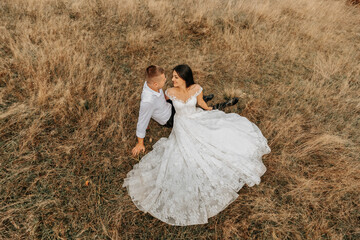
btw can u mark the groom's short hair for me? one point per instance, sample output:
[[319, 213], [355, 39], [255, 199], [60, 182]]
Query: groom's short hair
[[153, 71]]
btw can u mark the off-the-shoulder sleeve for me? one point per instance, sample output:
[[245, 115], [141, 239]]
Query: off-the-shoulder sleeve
[[167, 94], [198, 91]]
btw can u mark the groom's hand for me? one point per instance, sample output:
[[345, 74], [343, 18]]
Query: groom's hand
[[140, 147]]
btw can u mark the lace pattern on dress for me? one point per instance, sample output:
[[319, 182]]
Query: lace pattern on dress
[[177, 99]]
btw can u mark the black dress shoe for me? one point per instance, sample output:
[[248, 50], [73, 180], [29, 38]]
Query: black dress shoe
[[230, 102], [208, 97]]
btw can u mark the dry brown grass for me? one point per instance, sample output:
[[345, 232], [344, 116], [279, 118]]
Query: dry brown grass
[[71, 73]]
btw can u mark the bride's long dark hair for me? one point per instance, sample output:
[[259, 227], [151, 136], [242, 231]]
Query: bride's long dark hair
[[184, 71]]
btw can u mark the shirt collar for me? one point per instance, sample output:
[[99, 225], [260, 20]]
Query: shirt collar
[[147, 88]]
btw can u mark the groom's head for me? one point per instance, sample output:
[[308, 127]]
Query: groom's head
[[155, 76]]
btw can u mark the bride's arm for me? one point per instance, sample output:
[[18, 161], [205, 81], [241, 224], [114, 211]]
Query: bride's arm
[[202, 103]]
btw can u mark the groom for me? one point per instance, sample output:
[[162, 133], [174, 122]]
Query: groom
[[154, 105]]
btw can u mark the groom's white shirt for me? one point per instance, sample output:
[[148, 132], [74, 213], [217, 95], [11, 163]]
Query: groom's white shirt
[[152, 105]]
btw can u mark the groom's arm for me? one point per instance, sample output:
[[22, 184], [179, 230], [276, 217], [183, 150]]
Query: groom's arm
[[145, 113], [139, 147]]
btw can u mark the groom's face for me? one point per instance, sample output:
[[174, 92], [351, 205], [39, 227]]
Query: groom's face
[[160, 80]]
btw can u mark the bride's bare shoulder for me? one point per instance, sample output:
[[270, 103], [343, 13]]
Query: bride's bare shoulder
[[195, 87], [170, 91]]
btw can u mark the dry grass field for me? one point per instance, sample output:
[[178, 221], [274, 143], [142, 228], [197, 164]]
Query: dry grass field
[[71, 74]]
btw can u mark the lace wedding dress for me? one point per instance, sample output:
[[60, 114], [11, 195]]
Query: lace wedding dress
[[197, 171]]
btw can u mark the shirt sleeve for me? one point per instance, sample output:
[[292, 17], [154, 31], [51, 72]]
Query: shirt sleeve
[[145, 113]]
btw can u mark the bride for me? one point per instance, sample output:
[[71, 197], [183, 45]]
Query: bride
[[197, 171]]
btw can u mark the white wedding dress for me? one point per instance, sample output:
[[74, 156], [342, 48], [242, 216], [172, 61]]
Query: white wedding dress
[[197, 171]]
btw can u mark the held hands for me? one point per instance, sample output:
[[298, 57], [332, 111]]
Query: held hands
[[140, 147]]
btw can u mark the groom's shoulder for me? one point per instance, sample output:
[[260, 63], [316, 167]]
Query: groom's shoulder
[[147, 97]]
